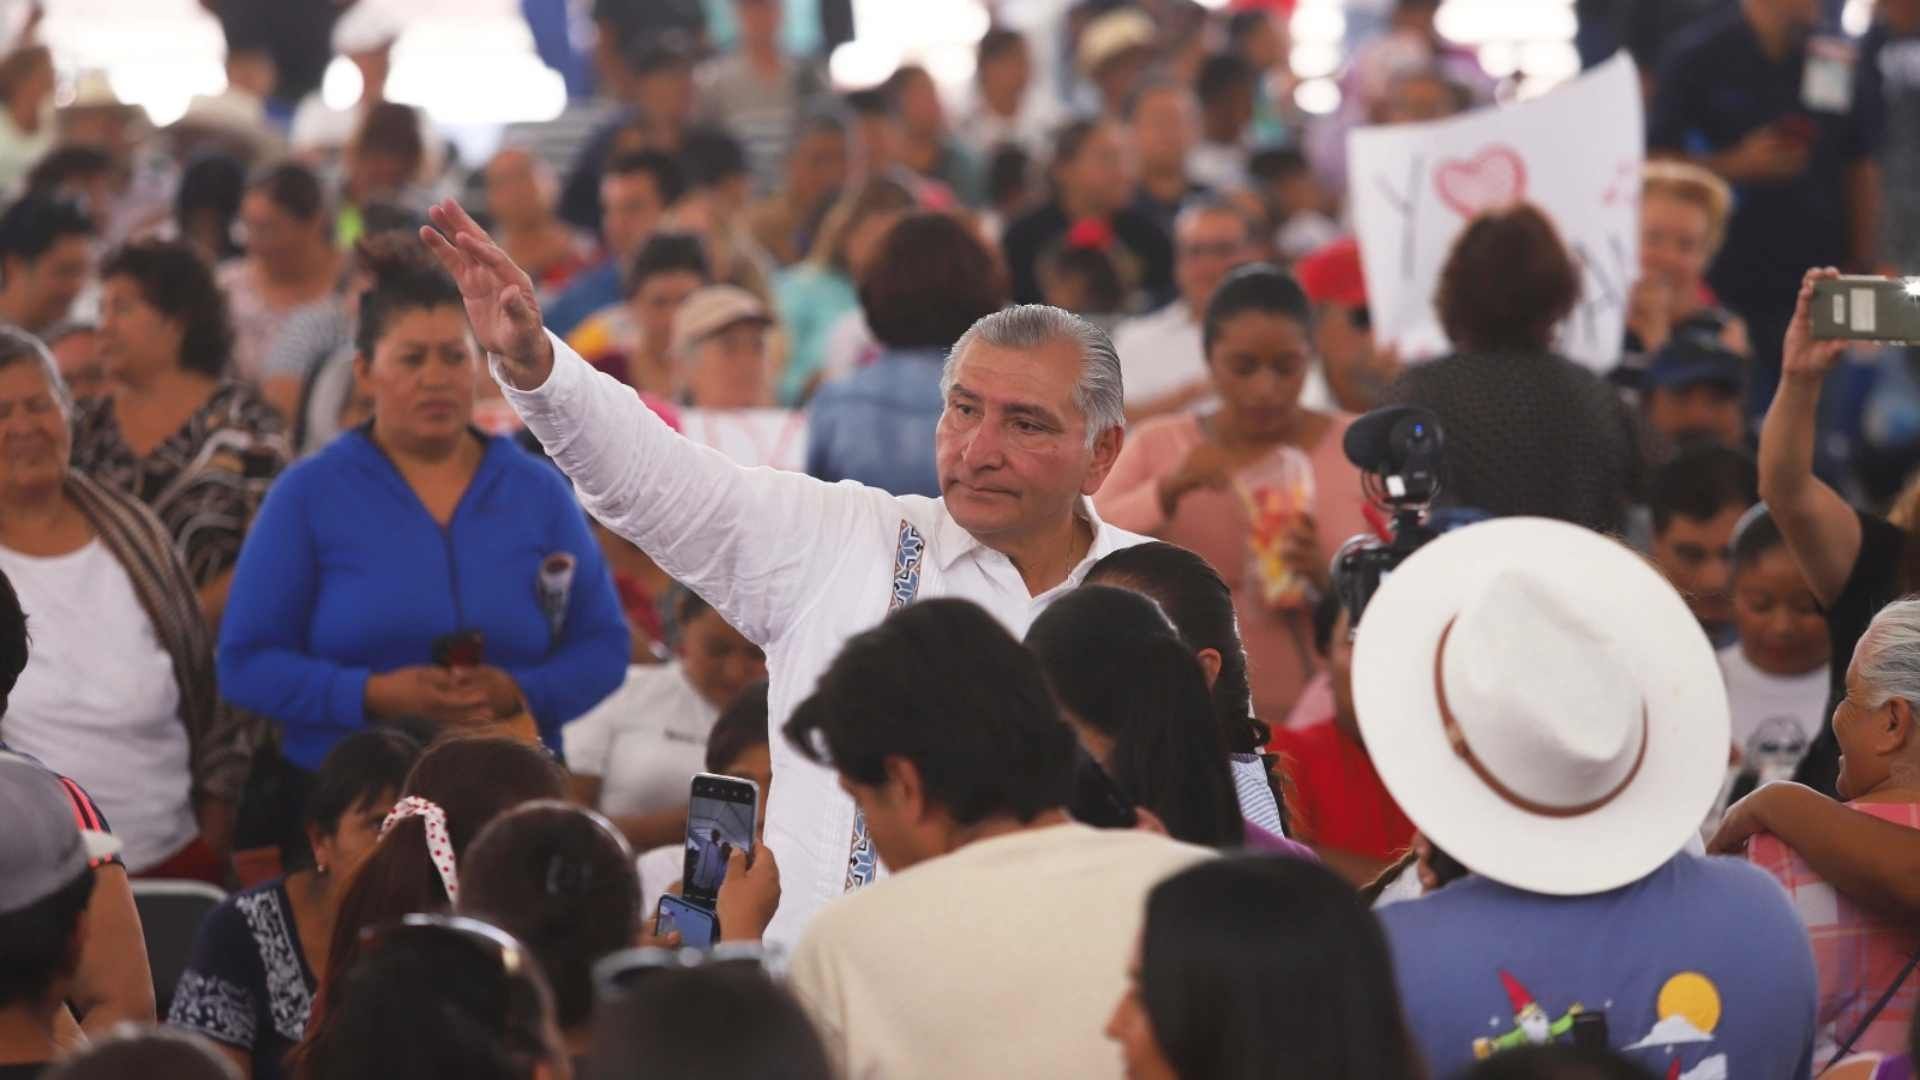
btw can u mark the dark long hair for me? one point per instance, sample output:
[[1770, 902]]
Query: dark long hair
[[1116, 663], [1265, 966], [562, 880], [1198, 600], [474, 780], [432, 1002], [720, 1020], [178, 285]]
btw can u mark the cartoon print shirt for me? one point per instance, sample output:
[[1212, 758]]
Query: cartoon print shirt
[[1699, 971]]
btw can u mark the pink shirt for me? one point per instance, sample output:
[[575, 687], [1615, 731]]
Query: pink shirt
[[1859, 954], [1213, 525]]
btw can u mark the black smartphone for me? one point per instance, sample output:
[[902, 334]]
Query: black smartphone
[[698, 927], [721, 814], [461, 649]]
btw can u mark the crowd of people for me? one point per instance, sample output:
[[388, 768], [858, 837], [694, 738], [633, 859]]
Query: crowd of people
[[969, 473]]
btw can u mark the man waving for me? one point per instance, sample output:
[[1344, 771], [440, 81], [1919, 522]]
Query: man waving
[[1033, 422]]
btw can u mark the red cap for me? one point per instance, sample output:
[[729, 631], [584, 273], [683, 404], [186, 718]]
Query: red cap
[[1332, 275]]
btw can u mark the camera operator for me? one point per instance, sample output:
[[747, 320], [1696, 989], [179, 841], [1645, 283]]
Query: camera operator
[[1528, 431]]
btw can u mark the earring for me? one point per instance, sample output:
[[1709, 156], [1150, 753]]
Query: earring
[[320, 869]]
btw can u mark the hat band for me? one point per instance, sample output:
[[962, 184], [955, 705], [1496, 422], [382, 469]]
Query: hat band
[[1457, 739]]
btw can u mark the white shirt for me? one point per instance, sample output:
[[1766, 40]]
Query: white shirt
[[659, 869], [98, 700], [1160, 352], [645, 741], [795, 564], [1004, 958], [776, 438], [982, 130], [1220, 166], [1164, 350], [1775, 717]]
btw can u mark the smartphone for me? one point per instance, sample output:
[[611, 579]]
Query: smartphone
[[1860, 308], [461, 649], [721, 814], [699, 928]]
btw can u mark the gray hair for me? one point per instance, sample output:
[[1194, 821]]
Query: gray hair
[[1098, 395], [1888, 656], [19, 347]]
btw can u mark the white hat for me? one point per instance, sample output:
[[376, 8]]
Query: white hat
[[1542, 705], [1113, 35]]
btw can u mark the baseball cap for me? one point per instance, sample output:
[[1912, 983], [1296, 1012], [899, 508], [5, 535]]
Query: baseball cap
[[42, 848], [1333, 275], [713, 309], [1690, 360]]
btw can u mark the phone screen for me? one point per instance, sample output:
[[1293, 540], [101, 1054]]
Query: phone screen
[[720, 820], [697, 926]]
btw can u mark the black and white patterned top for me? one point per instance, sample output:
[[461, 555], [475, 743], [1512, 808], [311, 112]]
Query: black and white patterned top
[[248, 985], [204, 481]]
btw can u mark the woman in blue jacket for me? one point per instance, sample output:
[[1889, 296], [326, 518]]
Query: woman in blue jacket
[[416, 571]]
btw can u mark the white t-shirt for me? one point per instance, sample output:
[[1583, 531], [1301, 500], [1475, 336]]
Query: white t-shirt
[[1164, 350], [1160, 352], [1775, 717], [659, 869], [1004, 958], [98, 700], [645, 741], [776, 438]]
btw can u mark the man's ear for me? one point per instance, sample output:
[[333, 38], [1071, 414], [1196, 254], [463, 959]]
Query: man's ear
[[906, 788], [1106, 451]]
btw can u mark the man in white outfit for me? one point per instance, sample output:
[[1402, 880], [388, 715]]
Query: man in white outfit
[[1034, 420]]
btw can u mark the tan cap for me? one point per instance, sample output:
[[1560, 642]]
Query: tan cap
[[712, 310], [1112, 34]]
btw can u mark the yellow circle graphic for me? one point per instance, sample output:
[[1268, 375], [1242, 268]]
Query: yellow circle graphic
[[1693, 996]]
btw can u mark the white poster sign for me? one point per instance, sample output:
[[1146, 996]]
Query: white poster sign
[[1575, 152]]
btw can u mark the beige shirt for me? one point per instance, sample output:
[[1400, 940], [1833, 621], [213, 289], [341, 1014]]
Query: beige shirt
[[1004, 958]]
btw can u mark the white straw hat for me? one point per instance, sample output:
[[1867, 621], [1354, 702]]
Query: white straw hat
[[1542, 705]]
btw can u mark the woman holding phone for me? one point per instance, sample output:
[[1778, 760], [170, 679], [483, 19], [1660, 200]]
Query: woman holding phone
[[415, 571]]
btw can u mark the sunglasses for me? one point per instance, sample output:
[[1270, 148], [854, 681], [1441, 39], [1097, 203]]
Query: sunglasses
[[619, 974]]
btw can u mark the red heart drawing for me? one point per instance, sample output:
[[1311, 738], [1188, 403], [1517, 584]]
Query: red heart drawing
[[1494, 177]]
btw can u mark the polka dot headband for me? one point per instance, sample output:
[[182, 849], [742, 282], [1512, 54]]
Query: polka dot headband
[[439, 842]]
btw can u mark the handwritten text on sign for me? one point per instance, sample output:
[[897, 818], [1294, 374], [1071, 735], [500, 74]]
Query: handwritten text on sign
[[1575, 152]]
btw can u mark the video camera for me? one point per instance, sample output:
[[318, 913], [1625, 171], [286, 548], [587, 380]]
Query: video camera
[[1398, 451]]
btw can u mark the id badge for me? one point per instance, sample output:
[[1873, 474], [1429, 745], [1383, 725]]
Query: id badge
[[1827, 84]]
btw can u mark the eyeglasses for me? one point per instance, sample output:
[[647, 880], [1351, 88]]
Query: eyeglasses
[[619, 974]]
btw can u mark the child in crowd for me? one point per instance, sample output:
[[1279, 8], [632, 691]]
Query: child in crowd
[[1777, 672]]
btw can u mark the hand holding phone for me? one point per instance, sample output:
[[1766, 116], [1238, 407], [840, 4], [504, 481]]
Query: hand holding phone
[[721, 814], [698, 928], [1862, 308]]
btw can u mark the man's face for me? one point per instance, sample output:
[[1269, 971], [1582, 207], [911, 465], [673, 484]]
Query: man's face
[[515, 193], [1011, 446], [1005, 77], [895, 818], [658, 300], [817, 167], [759, 19], [1697, 557], [1703, 409], [630, 209], [55, 280], [1800, 16], [1164, 125], [1207, 245]]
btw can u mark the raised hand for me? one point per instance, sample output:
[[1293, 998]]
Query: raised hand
[[1803, 359], [498, 294]]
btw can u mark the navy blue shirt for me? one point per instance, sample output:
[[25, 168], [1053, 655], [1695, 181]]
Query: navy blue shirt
[[1704, 958], [1715, 87], [345, 574], [876, 426]]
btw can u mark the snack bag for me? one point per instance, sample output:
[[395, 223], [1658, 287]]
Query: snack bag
[[1274, 491]]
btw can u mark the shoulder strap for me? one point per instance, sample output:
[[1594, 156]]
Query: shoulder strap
[[1873, 1013], [908, 551]]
